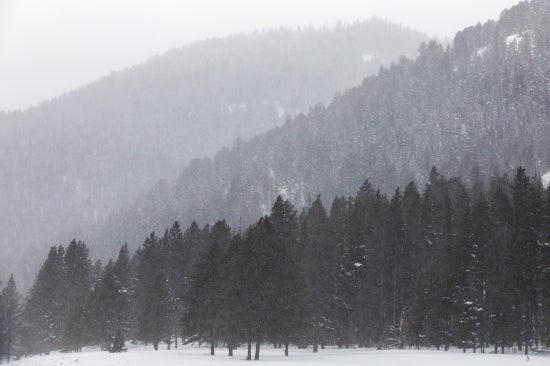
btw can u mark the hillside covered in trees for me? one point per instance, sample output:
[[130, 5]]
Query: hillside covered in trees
[[448, 266], [485, 99], [68, 162]]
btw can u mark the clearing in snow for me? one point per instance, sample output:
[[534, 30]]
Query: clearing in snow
[[142, 356]]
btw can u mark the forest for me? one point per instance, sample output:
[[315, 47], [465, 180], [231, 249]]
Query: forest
[[453, 265]]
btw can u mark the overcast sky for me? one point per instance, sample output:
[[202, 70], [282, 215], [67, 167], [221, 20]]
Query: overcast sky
[[48, 47]]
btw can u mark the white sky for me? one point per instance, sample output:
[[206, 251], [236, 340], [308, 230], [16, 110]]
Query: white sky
[[48, 47]]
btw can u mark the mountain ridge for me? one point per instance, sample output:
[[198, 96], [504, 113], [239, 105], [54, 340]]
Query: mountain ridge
[[470, 113], [68, 162]]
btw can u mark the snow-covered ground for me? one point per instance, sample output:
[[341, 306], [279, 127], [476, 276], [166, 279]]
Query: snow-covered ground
[[141, 356]]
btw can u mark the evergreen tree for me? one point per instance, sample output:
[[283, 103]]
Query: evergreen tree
[[412, 255], [76, 284], [320, 272], [75, 329], [149, 261], [341, 309], [44, 312], [249, 292], [154, 320], [118, 343], [205, 297], [10, 299], [107, 307], [2, 326], [499, 304], [286, 298], [177, 271], [524, 259]]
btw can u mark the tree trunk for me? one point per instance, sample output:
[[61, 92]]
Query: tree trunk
[[230, 351], [156, 345], [257, 354], [9, 340], [286, 349], [212, 347], [176, 339], [249, 356], [526, 348]]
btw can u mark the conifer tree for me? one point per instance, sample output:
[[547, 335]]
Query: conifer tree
[[118, 343], [320, 272], [44, 312], [205, 298], [154, 320], [287, 303], [10, 299], [524, 259], [2, 326], [75, 329]]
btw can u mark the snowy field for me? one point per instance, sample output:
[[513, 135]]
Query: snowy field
[[141, 356]]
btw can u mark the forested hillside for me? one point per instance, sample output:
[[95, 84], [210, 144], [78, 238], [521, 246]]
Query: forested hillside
[[485, 99], [446, 266], [68, 162]]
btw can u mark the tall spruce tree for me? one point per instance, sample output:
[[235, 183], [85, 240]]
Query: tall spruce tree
[[156, 313], [287, 313], [2, 326], [205, 298], [10, 299], [320, 271], [524, 259], [44, 312]]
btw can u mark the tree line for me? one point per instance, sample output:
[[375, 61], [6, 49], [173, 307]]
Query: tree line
[[454, 265]]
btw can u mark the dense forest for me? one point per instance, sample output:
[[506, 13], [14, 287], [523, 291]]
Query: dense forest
[[484, 99], [68, 162], [449, 266]]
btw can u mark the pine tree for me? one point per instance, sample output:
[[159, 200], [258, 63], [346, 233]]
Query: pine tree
[[118, 343], [75, 329], [524, 258], [499, 301], [341, 308], [177, 272], [320, 272], [2, 326], [248, 295], [149, 260], [398, 276], [154, 320], [11, 313], [468, 287], [107, 306], [205, 298], [44, 312], [287, 304], [545, 271], [77, 273]]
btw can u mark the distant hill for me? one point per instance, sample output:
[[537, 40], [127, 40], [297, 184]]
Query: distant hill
[[474, 108], [68, 162]]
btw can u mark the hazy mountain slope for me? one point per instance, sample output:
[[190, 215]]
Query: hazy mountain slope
[[69, 161], [484, 100]]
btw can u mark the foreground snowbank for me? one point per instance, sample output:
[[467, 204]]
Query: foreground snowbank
[[141, 356]]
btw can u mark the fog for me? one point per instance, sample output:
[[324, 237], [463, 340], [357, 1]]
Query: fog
[[51, 47]]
